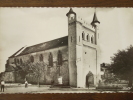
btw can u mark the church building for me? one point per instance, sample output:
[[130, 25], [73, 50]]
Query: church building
[[76, 57]]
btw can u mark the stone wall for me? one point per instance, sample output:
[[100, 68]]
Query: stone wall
[[86, 56], [51, 73], [89, 62]]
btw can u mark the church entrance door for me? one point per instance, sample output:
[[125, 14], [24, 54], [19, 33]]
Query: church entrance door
[[89, 79]]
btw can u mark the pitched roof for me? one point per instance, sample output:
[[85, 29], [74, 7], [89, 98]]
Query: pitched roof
[[44, 46]]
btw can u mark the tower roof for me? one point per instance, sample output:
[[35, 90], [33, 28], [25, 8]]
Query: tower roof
[[70, 12], [95, 20]]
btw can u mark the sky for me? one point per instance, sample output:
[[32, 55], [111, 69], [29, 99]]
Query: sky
[[29, 26]]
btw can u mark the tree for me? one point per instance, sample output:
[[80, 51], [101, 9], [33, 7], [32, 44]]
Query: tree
[[37, 69], [108, 76], [23, 69], [122, 64]]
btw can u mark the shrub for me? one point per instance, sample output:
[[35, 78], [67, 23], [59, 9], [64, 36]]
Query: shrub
[[108, 87]]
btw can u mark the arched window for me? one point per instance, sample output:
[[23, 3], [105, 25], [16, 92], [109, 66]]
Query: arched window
[[50, 59], [32, 59], [21, 62], [18, 61], [41, 57], [88, 38], [92, 39], [83, 36], [59, 58], [15, 60]]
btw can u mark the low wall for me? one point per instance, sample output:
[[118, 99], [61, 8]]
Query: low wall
[[9, 77]]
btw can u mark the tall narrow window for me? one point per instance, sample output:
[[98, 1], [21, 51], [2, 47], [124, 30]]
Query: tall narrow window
[[82, 36], [92, 39], [50, 59], [88, 38], [79, 38], [15, 61], [32, 59], [18, 61], [59, 58], [21, 62], [41, 57]]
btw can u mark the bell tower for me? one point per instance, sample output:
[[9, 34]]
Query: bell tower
[[72, 47], [83, 50]]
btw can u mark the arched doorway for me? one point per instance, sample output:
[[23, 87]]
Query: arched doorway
[[89, 79]]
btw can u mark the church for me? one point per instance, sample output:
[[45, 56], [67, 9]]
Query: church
[[75, 58]]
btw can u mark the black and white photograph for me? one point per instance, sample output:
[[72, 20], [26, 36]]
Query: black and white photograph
[[66, 50]]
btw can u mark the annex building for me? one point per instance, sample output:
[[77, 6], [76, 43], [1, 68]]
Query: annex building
[[74, 57]]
